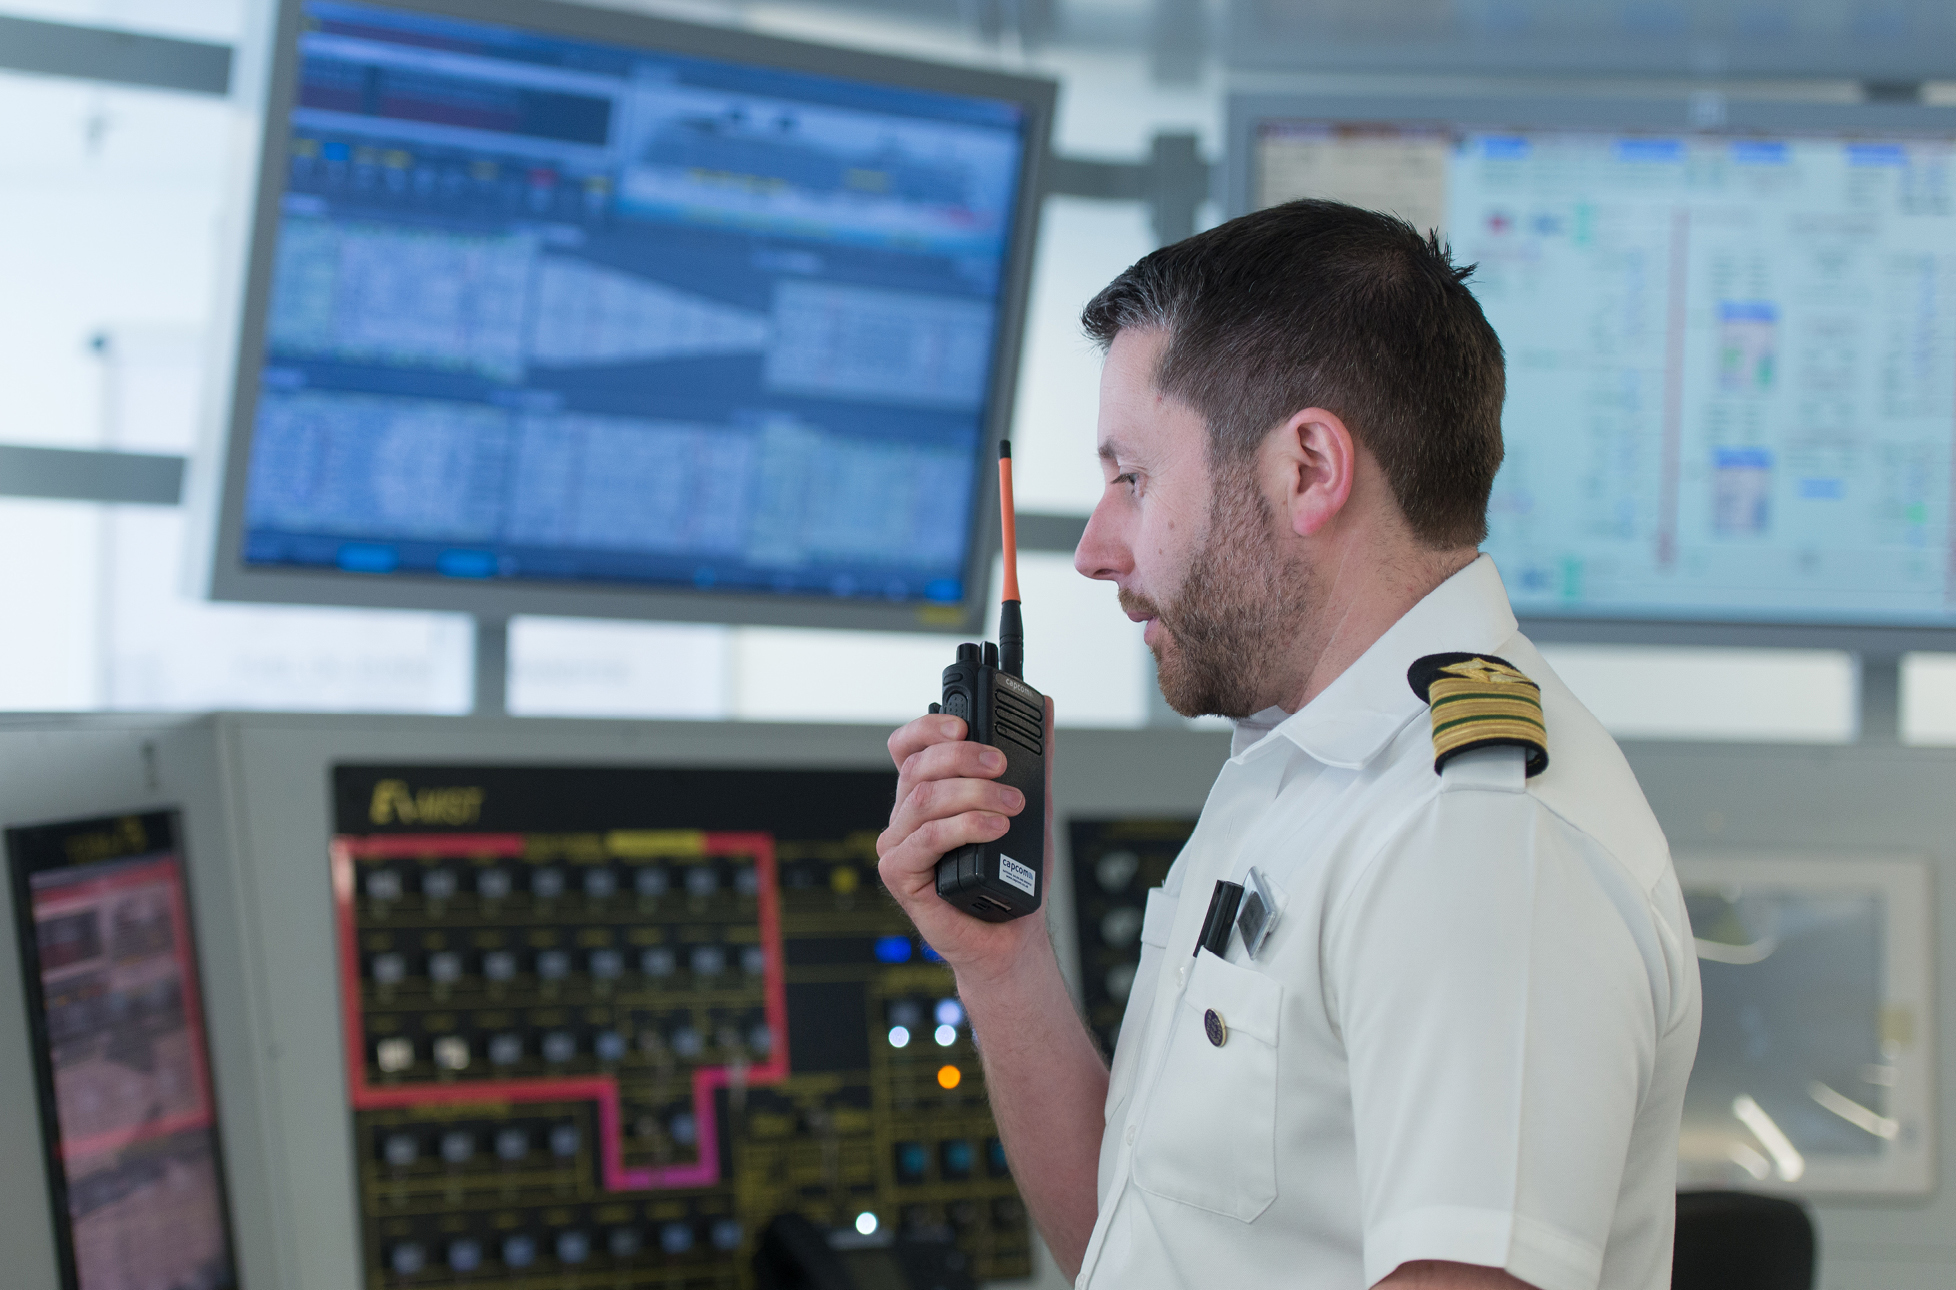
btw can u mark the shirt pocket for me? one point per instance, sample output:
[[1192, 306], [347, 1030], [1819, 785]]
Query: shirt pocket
[[1208, 1136], [1160, 917]]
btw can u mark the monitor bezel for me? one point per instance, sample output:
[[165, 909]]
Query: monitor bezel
[[1253, 43], [220, 569], [21, 867], [1688, 114]]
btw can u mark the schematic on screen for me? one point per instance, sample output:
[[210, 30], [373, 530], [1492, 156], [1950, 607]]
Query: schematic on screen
[[127, 1108], [1731, 356], [571, 311], [603, 1024]]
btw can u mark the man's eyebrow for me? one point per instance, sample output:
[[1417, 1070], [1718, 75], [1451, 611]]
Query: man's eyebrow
[[1111, 449]]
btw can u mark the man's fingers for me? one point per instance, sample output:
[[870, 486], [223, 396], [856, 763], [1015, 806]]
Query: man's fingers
[[915, 854], [960, 759], [920, 734], [939, 799]]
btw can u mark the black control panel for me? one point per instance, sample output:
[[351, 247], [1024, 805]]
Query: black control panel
[[603, 1025], [1115, 862]]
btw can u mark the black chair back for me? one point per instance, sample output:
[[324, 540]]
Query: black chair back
[[1734, 1240]]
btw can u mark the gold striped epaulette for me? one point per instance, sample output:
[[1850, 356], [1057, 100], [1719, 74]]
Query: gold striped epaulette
[[1480, 701]]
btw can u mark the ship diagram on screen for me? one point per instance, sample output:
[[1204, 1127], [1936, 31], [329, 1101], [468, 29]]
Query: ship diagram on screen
[[1731, 358], [601, 1026], [562, 310]]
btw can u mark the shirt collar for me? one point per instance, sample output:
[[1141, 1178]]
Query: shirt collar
[[1352, 720]]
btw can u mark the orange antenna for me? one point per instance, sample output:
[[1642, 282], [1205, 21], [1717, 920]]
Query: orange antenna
[[1011, 627], [1008, 523]]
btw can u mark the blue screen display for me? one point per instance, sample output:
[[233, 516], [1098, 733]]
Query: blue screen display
[[551, 309]]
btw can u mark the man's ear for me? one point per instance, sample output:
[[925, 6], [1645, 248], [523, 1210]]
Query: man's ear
[[1314, 459]]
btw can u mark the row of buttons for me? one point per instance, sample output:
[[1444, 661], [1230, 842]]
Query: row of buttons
[[1006, 1212], [571, 1247], [447, 967], [549, 883], [398, 1054], [956, 1158], [511, 1143]]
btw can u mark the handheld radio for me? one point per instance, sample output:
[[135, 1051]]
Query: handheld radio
[[1003, 879]]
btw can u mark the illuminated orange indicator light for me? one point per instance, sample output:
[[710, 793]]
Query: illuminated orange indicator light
[[949, 1077]]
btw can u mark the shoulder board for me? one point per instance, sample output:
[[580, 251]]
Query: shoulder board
[[1480, 701]]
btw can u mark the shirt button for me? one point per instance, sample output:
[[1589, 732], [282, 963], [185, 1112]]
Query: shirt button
[[1130, 1135]]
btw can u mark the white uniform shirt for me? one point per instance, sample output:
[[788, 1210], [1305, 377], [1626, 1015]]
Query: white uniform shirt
[[1467, 1037]]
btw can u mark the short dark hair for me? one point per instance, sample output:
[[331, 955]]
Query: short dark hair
[[1319, 304]]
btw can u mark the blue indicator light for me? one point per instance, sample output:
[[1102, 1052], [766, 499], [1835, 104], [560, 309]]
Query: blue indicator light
[[367, 557], [1876, 154], [1649, 150], [466, 564], [1752, 152], [893, 949], [946, 591], [930, 955]]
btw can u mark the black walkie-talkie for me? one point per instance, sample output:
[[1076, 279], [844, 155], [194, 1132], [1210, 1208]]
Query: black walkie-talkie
[[1004, 879]]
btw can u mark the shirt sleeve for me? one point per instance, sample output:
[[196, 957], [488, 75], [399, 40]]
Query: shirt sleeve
[[1501, 1030]]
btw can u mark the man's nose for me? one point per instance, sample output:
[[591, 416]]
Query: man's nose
[[1103, 551]]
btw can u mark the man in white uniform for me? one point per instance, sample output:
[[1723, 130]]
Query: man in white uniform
[[1458, 1059]]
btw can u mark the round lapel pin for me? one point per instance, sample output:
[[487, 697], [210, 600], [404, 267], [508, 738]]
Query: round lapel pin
[[1213, 1026]]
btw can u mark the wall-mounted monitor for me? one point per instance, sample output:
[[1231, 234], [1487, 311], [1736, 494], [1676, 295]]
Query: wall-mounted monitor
[[135, 1173], [1894, 41], [555, 309], [1731, 345], [1816, 1058]]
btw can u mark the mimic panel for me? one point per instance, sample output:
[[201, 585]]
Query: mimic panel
[[594, 1035], [1115, 863]]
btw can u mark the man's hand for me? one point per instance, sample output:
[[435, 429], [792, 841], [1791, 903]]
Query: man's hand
[[945, 799]]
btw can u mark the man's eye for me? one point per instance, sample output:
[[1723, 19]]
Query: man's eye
[[1127, 481]]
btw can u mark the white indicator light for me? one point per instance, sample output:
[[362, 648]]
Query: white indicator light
[[899, 1036], [950, 1012], [866, 1223], [946, 1036]]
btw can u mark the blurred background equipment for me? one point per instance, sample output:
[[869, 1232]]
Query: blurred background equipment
[[1731, 356], [1812, 1073]]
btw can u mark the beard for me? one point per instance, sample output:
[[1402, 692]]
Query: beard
[[1225, 631]]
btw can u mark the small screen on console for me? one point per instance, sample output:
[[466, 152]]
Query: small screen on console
[[103, 913]]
